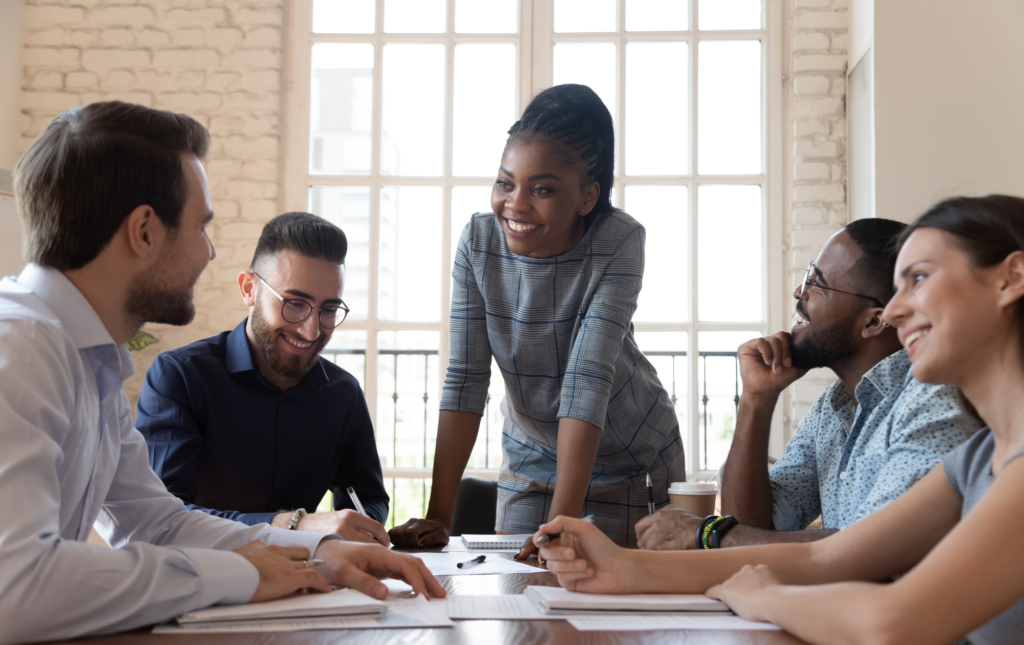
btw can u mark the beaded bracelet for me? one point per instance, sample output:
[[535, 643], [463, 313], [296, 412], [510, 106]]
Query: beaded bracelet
[[700, 530], [707, 532], [719, 531]]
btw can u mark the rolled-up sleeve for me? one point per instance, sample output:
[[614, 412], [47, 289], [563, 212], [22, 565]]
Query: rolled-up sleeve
[[796, 496], [469, 357]]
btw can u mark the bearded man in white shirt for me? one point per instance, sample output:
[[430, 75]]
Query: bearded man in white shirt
[[114, 207]]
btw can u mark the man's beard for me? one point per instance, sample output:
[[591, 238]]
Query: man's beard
[[153, 299], [279, 361], [825, 348]]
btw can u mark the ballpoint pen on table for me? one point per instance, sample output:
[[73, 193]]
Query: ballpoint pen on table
[[550, 537], [650, 495], [469, 563]]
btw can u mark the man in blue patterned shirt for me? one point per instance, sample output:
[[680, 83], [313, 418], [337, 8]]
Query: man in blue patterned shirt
[[870, 435]]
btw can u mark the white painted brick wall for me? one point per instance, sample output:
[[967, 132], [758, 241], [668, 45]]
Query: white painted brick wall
[[219, 62], [818, 38]]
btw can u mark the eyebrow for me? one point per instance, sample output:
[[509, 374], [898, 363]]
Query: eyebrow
[[543, 175], [821, 276], [303, 294], [907, 268]]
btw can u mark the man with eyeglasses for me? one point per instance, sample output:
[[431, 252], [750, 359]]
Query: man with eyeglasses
[[867, 438], [252, 424]]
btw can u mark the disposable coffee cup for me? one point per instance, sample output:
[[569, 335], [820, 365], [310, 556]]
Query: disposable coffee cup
[[696, 497]]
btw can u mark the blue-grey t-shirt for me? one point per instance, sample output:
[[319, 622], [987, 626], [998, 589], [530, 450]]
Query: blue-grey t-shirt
[[968, 469]]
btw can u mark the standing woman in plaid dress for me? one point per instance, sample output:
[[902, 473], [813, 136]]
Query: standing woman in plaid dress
[[547, 284]]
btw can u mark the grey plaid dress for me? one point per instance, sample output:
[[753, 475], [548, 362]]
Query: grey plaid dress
[[560, 330]]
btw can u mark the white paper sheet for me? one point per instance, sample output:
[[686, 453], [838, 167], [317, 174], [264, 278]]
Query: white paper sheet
[[336, 604], [502, 607], [653, 623], [456, 545], [444, 564], [402, 613]]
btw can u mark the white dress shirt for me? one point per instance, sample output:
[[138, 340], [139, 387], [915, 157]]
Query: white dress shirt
[[69, 457]]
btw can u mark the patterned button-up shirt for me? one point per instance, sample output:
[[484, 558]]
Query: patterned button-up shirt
[[846, 461]]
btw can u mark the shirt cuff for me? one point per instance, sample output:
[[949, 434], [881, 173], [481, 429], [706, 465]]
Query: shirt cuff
[[284, 537], [227, 578]]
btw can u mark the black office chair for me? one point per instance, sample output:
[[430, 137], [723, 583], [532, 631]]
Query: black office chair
[[475, 506]]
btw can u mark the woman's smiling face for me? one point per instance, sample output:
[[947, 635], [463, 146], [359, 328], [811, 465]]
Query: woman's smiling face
[[947, 311], [539, 201]]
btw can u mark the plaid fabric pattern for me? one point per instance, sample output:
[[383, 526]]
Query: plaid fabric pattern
[[560, 331]]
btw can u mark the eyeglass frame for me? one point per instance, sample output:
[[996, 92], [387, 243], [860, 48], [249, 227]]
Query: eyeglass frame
[[320, 310], [807, 277]]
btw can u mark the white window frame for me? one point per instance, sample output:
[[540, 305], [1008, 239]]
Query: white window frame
[[535, 47]]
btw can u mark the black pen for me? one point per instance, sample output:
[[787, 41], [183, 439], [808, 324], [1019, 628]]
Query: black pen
[[650, 495], [551, 537], [469, 563]]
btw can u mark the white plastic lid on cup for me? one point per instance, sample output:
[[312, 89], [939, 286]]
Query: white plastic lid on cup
[[693, 488]]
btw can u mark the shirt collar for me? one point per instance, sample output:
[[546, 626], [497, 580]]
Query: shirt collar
[[239, 358], [77, 317], [889, 376]]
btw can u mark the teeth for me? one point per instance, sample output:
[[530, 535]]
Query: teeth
[[520, 228], [298, 344], [921, 333], [800, 319]]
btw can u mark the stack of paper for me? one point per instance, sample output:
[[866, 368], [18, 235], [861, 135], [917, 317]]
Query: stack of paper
[[343, 602], [558, 601]]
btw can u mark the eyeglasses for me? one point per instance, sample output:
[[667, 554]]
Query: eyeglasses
[[295, 311], [808, 283]]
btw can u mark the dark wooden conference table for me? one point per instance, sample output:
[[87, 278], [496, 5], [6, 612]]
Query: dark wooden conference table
[[465, 632]]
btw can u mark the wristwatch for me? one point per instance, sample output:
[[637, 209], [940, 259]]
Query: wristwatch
[[296, 516]]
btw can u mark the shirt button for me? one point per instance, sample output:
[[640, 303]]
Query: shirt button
[[842, 475]]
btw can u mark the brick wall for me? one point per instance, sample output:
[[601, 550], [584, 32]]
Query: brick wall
[[818, 39], [219, 62]]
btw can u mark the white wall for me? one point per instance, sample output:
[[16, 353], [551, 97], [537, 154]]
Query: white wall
[[949, 102]]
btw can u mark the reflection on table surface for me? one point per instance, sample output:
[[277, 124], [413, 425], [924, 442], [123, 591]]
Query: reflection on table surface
[[467, 632]]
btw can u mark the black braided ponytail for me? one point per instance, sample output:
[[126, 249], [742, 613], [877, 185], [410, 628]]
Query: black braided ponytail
[[573, 117]]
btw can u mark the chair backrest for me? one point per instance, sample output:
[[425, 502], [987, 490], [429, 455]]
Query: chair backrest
[[476, 505]]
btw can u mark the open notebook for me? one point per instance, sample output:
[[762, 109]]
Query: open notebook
[[562, 602], [343, 602], [495, 541]]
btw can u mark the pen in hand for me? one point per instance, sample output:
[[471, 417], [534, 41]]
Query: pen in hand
[[650, 495], [551, 537], [359, 505]]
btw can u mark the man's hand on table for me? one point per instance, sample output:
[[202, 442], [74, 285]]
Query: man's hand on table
[[361, 567], [419, 533], [669, 529], [283, 570], [349, 524]]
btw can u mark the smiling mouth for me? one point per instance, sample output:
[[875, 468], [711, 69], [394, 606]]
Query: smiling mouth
[[800, 319], [297, 344], [913, 338], [521, 227]]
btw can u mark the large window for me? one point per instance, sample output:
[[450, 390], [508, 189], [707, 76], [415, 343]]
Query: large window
[[396, 117]]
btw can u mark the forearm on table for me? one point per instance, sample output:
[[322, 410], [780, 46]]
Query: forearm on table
[[742, 535], [456, 436], [845, 613], [577, 451], [747, 490]]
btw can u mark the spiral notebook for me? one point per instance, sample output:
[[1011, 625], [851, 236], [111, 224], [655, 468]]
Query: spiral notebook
[[495, 541]]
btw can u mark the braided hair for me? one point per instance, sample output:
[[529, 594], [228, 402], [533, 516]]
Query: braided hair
[[574, 118]]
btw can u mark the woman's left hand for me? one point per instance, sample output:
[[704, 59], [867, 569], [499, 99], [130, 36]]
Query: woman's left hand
[[744, 591]]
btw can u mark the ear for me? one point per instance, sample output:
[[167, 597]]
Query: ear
[[146, 233], [1012, 280], [247, 287], [589, 200], [874, 327]]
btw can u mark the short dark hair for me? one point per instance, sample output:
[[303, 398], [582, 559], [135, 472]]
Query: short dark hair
[[877, 239], [302, 233], [91, 167], [574, 117]]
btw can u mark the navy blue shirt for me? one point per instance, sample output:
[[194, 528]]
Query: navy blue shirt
[[228, 442]]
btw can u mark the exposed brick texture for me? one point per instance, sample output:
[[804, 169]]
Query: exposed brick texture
[[218, 61], [816, 205]]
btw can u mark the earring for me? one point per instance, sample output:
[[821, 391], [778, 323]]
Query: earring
[[885, 324]]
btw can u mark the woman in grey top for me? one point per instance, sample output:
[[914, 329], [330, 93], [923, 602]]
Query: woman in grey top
[[547, 285], [955, 536]]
